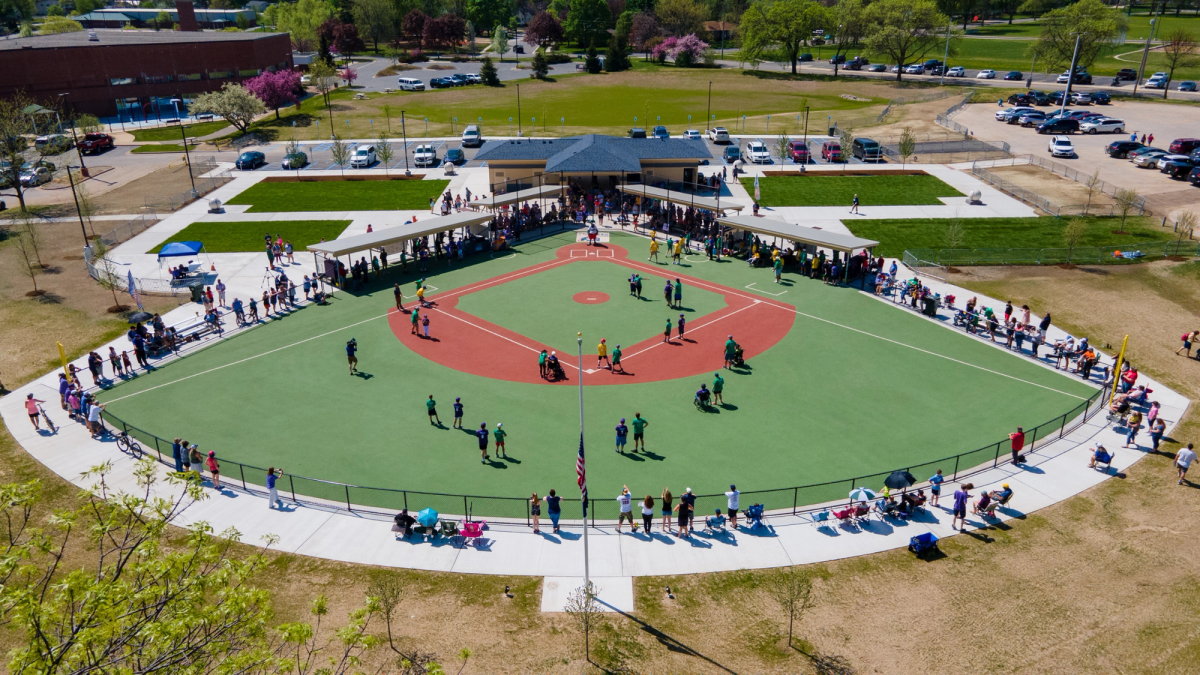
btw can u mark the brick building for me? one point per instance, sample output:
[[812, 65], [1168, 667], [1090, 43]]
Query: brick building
[[136, 74]]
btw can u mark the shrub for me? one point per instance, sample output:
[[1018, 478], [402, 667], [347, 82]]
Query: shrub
[[558, 57]]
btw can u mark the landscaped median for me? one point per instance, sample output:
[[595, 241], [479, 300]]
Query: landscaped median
[[172, 133], [161, 147], [280, 194], [248, 236], [835, 189]]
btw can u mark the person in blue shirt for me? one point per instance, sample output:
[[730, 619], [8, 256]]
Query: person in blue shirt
[[703, 395], [272, 494], [622, 435], [458, 413], [482, 435], [935, 486], [351, 348], [237, 311]]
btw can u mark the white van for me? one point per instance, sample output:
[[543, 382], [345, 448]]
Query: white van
[[364, 156], [410, 84], [471, 137]]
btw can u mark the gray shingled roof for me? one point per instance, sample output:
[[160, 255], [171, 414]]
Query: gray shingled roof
[[594, 152], [110, 38]]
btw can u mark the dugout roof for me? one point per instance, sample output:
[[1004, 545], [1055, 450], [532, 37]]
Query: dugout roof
[[517, 197], [395, 235], [798, 233], [681, 198]]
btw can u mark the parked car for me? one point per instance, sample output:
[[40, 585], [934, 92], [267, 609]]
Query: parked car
[[857, 63], [1179, 168], [1014, 75], [1105, 125], [364, 157], [1147, 159], [410, 84], [472, 137], [758, 153], [95, 143], [1184, 146], [296, 160], [1133, 154], [35, 176], [1018, 113], [661, 132], [1081, 77], [1194, 176], [637, 132], [805, 58], [877, 68], [1157, 81], [440, 83], [473, 78], [1033, 118], [1058, 126], [1101, 98], [1015, 111], [1060, 146], [718, 135], [838, 58], [251, 160], [799, 151], [1166, 159], [692, 135], [731, 154], [956, 71], [831, 151], [935, 70], [424, 155], [1081, 98], [1187, 86], [1121, 149], [1127, 74], [930, 64], [867, 150], [305, 80], [915, 69], [456, 156], [988, 74], [52, 144]]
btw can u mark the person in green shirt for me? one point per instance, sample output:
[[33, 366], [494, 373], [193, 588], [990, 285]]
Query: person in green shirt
[[431, 407], [778, 268], [730, 350], [718, 387], [416, 316], [616, 360], [500, 433], [639, 429], [542, 364], [667, 332]]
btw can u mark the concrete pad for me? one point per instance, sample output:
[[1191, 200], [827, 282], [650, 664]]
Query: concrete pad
[[614, 594]]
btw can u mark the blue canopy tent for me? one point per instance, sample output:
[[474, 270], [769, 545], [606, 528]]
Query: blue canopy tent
[[178, 249]]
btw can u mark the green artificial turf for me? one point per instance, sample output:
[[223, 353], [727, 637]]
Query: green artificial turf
[[172, 133], [829, 402], [240, 237], [162, 147], [835, 190], [894, 236], [351, 195], [554, 317]]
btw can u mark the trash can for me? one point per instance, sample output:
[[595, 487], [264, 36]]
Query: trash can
[[197, 293], [833, 131], [930, 306]]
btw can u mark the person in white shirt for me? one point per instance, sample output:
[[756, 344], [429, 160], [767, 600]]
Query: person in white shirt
[[648, 513], [734, 497], [626, 501], [1184, 459]]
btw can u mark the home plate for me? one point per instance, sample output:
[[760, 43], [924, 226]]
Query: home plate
[[601, 237], [589, 371], [614, 594]]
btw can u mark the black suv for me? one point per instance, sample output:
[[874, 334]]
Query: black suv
[[856, 63], [1194, 176], [1121, 149], [1059, 126], [1127, 74]]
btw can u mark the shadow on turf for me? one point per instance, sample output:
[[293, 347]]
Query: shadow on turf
[[365, 376]]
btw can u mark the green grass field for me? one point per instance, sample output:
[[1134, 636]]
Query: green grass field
[[366, 195], [238, 237], [834, 190], [162, 147], [841, 395], [894, 236], [172, 133]]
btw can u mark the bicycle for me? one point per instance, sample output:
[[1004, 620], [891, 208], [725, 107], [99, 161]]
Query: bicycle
[[46, 418], [129, 446]]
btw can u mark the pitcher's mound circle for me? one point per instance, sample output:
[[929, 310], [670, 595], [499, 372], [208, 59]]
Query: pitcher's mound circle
[[590, 297]]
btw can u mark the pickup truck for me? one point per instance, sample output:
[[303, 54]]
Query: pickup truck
[[718, 135], [95, 143]]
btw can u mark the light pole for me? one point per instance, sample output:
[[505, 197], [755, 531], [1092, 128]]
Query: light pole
[[1071, 74], [708, 115], [518, 111], [77, 209], [188, 156], [806, 134], [79, 151], [946, 58], [404, 132]]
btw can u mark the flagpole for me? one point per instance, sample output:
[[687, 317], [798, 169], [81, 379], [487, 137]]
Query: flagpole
[[586, 574]]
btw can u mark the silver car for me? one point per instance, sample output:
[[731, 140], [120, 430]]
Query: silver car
[[1148, 158]]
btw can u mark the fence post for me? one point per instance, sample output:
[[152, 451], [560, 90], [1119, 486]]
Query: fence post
[[348, 498], [292, 484], [242, 470], [1034, 441], [956, 458], [528, 518], [464, 503], [157, 449], [795, 499], [1063, 429], [997, 460], [405, 500]]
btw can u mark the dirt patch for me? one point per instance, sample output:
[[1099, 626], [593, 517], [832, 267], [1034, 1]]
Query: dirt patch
[[438, 66], [395, 70], [1050, 185], [917, 116], [131, 197]]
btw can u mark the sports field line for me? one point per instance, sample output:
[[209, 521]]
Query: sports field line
[[691, 329], [879, 337], [502, 337]]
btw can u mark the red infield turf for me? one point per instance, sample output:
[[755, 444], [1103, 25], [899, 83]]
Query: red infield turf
[[470, 344]]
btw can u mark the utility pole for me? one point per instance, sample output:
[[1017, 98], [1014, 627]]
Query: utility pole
[[1071, 74], [708, 115], [946, 58], [1146, 53], [188, 156], [405, 134], [518, 111], [78, 210]]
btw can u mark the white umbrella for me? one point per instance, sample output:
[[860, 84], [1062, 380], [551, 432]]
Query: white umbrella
[[862, 494]]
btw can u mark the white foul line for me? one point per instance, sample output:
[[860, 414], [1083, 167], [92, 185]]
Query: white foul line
[[532, 349], [756, 303]]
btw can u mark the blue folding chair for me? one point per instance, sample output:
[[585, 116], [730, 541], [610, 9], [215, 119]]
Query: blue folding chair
[[754, 516], [820, 518], [922, 543]]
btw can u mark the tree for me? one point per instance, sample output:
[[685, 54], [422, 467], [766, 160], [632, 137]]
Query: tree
[[786, 25], [487, 73], [60, 24], [543, 30], [783, 147], [301, 19], [376, 20], [681, 17], [591, 61], [793, 591], [162, 20], [275, 89], [540, 67], [956, 233], [349, 74], [414, 24], [14, 145], [1073, 233], [14, 13], [846, 139], [618, 54], [107, 276], [324, 78], [907, 145], [340, 151], [583, 608], [444, 32], [644, 29], [588, 21], [234, 103], [1091, 21], [685, 51], [27, 264], [489, 12], [624, 25], [851, 19], [905, 30], [1185, 224], [499, 41], [1127, 200], [54, 10], [384, 151], [1092, 185], [88, 123], [1179, 51]]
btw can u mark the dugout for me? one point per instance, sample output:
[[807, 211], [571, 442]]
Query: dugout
[[854, 249]]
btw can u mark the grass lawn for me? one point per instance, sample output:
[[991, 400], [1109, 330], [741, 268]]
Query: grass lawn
[[813, 190], [171, 133], [367, 195], [163, 147], [894, 236], [240, 237]]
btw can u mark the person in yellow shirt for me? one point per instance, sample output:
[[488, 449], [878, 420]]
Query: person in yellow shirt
[[653, 250], [421, 297], [678, 251], [602, 354]]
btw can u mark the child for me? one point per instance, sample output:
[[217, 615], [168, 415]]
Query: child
[[639, 431], [935, 486], [616, 360], [622, 435], [667, 332], [482, 435], [431, 408], [425, 324], [458, 413], [127, 363], [602, 354], [500, 433]]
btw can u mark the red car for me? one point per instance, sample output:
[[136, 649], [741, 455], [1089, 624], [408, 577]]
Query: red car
[[800, 154], [831, 151], [1184, 146], [95, 143]]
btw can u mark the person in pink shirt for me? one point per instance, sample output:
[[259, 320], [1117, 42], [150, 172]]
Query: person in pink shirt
[[31, 407]]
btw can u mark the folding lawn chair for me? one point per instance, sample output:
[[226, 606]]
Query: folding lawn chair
[[472, 530], [449, 528], [715, 522], [754, 516], [820, 518]]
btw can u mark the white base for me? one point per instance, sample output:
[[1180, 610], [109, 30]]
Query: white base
[[615, 594]]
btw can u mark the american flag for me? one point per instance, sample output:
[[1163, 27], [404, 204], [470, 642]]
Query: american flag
[[581, 472], [133, 289]]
